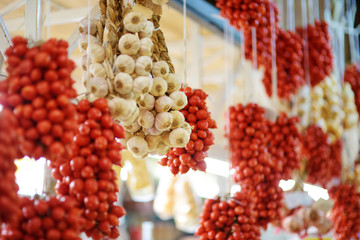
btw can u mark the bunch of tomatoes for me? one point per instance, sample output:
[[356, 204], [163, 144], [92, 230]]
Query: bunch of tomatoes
[[345, 213], [193, 155], [352, 76], [323, 158]]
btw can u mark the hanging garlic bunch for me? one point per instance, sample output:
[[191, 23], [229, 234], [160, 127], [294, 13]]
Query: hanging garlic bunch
[[349, 107], [303, 105]]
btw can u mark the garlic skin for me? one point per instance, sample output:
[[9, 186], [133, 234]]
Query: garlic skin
[[159, 87], [163, 104], [124, 63], [187, 127], [97, 86], [138, 146], [133, 128], [148, 102], [162, 149], [121, 108], [179, 137], [84, 26], [180, 100], [165, 137], [83, 42], [142, 85], [178, 120], [148, 30], [129, 44], [134, 22], [153, 131], [97, 53], [97, 70], [160, 69], [153, 142], [146, 47], [130, 119], [123, 83], [146, 119], [84, 62], [163, 121], [143, 66], [159, 2], [173, 82]]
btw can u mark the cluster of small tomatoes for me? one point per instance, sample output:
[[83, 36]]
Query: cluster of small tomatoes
[[352, 76], [201, 138]]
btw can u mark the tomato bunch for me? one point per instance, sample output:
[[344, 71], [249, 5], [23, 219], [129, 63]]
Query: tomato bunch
[[197, 115], [352, 76], [10, 208], [38, 90], [320, 59], [234, 219], [323, 159], [50, 219], [345, 213], [88, 175]]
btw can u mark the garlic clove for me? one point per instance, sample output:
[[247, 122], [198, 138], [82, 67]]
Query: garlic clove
[[138, 146], [179, 137], [153, 131], [97, 86], [162, 149], [153, 142], [142, 85], [143, 66], [148, 102], [160, 69], [146, 119], [97, 70], [165, 137], [132, 128], [123, 83], [121, 108], [146, 47], [178, 120], [163, 121], [148, 30], [129, 44], [84, 26], [124, 63], [180, 100], [163, 104], [97, 53], [84, 42], [159, 87], [134, 22], [173, 82]]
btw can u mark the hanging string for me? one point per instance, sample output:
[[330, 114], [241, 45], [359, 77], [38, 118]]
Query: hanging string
[[254, 47], [290, 21], [88, 42], [185, 43], [350, 30], [48, 17], [316, 10], [311, 12], [273, 54]]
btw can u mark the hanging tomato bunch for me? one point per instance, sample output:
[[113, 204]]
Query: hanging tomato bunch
[[352, 76], [320, 53], [201, 138], [38, 90], [345, 213], [51, 219], [88, 175], [324, 159]]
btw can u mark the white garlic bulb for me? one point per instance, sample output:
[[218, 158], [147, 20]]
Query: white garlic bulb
[[97, 86], [179, 137], [187, 127], [148, 30], [147, 103], [153, 142], [162, 149], [146, 47], [143, 66], [160, 69], [129, 44], [97, 53], [138, 146], [163, 104], [134, 22], [159, 87], [84, 42], [142, 85], [123, 83], [97, 70], [173, 83], [84, 26], [133, 128], [146, 119], [130, 119], [165, 137], [153, 131], [120, 107], [180, 100], [163, 121], [178, 119], [124, 63]]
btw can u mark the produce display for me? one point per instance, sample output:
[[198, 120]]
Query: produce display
[[352, 76]]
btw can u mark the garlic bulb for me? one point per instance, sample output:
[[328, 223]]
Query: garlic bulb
[[153, 131], [143, 66], [97, 70], [84, 62], [165, 137], [142, 85], [84, 26], [86, 77], [146, 119], [146, 47], [178, 119], [123, 83], [179, 137], [187, 127], [153, 142], [134, 22], [138, 146], [97, 86], [159, 87], [148, 30], [173, 82], [163, 104], [163, 121], [180, 100], [160, 69], [83, 42], [120, 107], [133, 128], [97, 53], [130, 119], [162, 149], [148, 102], [129, 44], [124, 63], [91, 97]]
